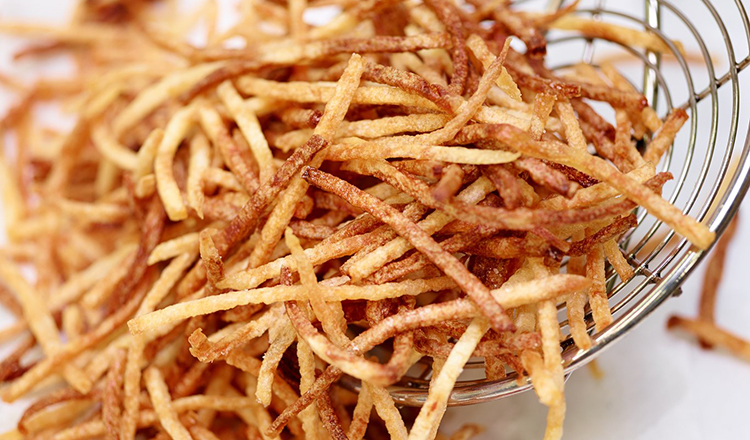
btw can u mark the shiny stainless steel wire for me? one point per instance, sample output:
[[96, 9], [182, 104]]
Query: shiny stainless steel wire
[[662, 260]]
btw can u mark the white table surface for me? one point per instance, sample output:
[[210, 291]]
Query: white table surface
[[657, 385]]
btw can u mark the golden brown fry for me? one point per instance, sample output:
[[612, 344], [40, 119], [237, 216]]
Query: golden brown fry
[[168, 189], [112, 395], [609, 31], [665, 136], [712, 335], [598, 291], [200, 159], [423, 242], [715, 271], [157, 390], [154, 226]]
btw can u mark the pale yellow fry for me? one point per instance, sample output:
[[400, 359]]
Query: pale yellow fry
[[425, 426], [200, 161], [155, 95], [222, 178], [147, 154], [233, 403], [577, 300], [280, 336], [344, 94], [297, 26], [14, 207], [361, 414], [12, 331], [366, 150], [617, 260], [106, 178], [176, 130], [162, 402], [249, 125], [628, 36], [386, 409], [555, 419], [145, 187], [549, 327], [168, 278], [57, 416], [85, 279], [185, 243], [279, 219], [13, 434], [34, 227], [131, 388], [88, 33], [573, 131], [505, 81], [323, 92], [270, 295], [40, 321], [598, 290], [106, 143], [72, 321], [397, 247], [369, 128], [544, 384], [99, 103], [330, 316], [262, 417], [309, 416], [86, 213]]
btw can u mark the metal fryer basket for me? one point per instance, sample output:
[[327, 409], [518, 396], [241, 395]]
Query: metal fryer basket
[[709, 161]]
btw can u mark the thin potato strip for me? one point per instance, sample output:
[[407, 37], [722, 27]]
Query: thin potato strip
[[479, 47], [609, 31], [159, 393], [40, 321], [419, 239], [107, 144], [166, 185], [200, 160], [696, 232], [713, 335], [270, 295], [250, 127], [598, 291], [429, 182], [437, 399], [617, 260], [155, 95]]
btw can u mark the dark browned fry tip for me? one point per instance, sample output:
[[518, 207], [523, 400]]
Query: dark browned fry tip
[[680, 113], [537, 52], [674, 321], [315, 118]]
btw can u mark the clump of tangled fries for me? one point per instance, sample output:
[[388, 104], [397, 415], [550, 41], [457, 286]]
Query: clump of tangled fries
[[231, 226]]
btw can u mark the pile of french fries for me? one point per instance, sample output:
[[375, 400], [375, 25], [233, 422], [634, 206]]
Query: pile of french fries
[[231, 226]]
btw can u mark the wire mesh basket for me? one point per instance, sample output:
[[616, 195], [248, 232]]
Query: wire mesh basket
[[709, 160]]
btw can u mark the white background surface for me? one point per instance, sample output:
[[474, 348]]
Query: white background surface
[[657, 385]]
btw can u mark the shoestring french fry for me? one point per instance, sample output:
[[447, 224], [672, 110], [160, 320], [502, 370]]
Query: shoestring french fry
[[234, 222]]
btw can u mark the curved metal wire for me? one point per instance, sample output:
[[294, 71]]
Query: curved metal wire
[[662, 262]]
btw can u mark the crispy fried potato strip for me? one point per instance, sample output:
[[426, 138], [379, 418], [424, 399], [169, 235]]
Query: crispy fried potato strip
[[239, 215]]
